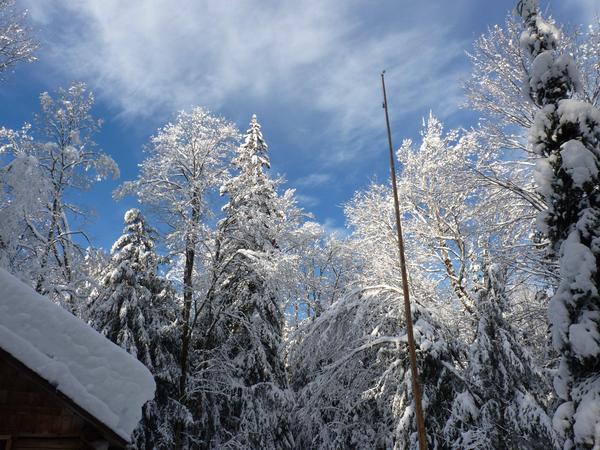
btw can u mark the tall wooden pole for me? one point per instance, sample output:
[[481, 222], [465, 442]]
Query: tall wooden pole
[[412, 353]]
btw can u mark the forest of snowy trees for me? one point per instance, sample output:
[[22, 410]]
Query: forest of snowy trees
[[264, 331]]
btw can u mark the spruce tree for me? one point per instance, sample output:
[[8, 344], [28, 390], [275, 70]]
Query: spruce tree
[[254, 412], [566, 134], [504, 403], [134, 308]]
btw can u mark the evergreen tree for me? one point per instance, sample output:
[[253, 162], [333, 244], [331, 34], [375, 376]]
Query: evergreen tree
[[566, 135], [504, 405], [134, 308], [248, 336]]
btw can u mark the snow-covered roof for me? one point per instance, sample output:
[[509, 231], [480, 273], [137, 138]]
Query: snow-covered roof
[[97, 375]]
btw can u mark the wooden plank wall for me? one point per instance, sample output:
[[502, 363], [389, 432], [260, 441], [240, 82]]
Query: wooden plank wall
[[36, 419]]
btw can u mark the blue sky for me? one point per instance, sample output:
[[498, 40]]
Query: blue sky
[[309, 69]]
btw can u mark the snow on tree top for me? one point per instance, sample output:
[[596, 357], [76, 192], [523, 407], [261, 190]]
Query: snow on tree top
[[94, 373], [132, 215]]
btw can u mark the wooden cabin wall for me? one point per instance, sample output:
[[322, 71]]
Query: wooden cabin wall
[[34, 418]]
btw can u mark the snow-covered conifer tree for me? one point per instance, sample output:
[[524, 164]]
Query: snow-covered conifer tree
[[566, 136], [247, 309], [134, 307], [124, 309], [505, 400]]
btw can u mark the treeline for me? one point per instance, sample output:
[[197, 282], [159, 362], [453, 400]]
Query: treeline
[[265, 332]]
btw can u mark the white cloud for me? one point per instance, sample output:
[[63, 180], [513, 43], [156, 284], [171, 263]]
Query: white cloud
[[307, 201], [147, 56], [330, 226], [151, 53], [312, 180]]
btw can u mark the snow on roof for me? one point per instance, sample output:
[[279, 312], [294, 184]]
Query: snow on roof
[[94, 373]]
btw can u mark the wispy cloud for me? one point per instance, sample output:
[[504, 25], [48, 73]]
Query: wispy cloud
[[331, 227], [147, 56], [307, 201], [313, 180]]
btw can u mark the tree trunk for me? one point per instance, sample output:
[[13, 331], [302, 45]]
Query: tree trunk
[[186, 335], [48, 246]]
